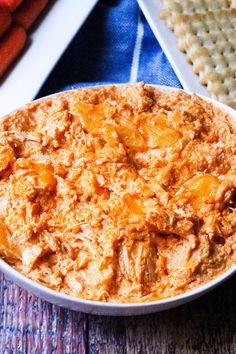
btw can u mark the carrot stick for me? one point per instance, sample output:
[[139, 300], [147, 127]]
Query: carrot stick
[[5, 20], [27, 13], [10, 5], [11, 45]]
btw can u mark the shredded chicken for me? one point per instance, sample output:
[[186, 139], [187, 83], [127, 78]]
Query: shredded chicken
[[122, 194]]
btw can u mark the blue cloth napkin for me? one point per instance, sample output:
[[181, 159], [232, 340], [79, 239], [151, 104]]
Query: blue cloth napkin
[[115, 45]]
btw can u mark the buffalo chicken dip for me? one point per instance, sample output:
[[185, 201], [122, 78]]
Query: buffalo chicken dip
[[120, 194]]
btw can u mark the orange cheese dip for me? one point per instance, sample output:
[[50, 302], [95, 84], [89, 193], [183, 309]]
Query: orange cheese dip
[[122, 194]]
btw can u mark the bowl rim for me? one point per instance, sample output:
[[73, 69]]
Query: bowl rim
[[13, 273], [186, 296]]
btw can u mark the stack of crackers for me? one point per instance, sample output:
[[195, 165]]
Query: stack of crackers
[[206, 32], [16, 18]]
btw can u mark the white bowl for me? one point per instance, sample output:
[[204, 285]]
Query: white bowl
[[115, 309]]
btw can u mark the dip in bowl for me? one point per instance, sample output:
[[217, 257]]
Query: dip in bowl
[[118, 199]]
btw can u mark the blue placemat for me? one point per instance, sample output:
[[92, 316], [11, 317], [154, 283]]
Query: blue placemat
[[115, 45]]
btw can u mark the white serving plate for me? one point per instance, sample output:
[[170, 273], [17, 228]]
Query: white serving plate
[[48, 42], [169, 44], [115, 309]]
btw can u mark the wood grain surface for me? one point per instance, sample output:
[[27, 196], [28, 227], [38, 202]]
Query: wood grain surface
[[31, 326]]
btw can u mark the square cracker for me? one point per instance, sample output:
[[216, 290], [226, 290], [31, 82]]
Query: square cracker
[[209, 40], [173, 8]]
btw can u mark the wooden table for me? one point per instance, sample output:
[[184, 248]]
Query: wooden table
[[29, 326]]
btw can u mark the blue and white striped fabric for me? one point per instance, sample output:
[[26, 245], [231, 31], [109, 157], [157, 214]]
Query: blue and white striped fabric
[[115, 45]]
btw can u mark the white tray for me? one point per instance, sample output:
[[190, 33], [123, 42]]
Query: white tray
[[169, 44], [49, 40]]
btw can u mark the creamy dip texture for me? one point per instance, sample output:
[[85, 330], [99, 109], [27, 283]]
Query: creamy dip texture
[[122, 194]]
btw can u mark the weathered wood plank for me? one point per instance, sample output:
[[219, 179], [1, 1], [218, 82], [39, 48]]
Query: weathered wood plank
[[106, 335], [30, 325]]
